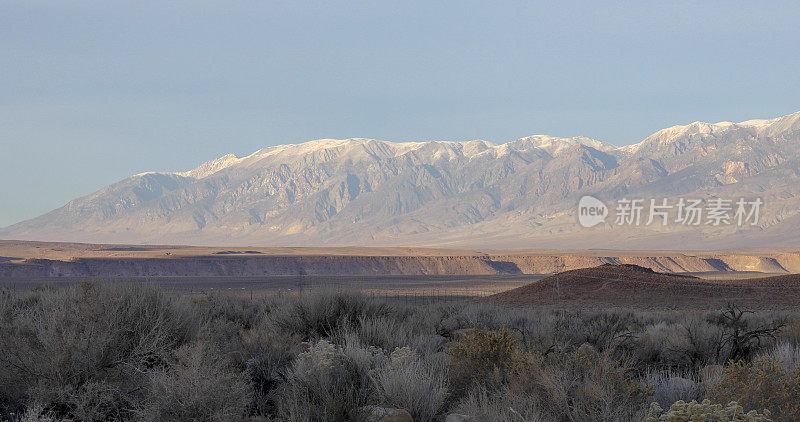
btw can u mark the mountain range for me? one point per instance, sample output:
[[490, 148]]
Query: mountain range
[[520, 194]]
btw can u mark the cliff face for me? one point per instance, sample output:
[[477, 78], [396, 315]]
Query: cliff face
[[233, 266]]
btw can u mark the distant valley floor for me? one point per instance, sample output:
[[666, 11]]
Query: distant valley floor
[[20, 259], [418, 274]]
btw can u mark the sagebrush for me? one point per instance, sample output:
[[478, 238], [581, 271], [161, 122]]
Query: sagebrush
[[122, 351]]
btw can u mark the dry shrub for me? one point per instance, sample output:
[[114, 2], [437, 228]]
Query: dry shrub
[[485, 350], [505, 404], [608, 331], [198, 385], [329, 382], [745, 334], [586, 385], [670, 387], [705, 411], [81, 352], [410, 383], [652, 342], [762, 384], [35, 413], [383, 331], [790, 333], [217, 306], [391, 331], [787, 354], [320, 314], [269, 357], [119, 351], [488, 357], [579, 385], [694, 343]]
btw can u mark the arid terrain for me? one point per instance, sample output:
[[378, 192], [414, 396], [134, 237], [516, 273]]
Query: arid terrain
[[99, 351], [46, 259], [758, 279], [338, 211], [632, 286]]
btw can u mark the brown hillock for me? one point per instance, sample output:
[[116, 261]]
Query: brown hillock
[[624, 285]]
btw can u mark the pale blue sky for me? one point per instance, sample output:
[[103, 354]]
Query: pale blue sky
[[94, 91]]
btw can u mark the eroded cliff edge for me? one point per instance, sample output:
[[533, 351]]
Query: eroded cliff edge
[[233, 265]]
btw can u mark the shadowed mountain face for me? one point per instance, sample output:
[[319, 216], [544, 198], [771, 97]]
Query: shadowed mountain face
[[520, 194]]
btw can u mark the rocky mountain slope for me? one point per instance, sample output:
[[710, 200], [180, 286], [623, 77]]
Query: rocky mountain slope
[[521, 194]]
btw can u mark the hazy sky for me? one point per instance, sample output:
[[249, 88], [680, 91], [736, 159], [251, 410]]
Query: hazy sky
[[94, 91]]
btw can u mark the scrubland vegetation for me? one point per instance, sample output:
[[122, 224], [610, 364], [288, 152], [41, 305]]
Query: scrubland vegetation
[[102, 351]]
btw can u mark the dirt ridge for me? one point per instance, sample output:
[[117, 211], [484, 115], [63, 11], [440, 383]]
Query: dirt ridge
[[639, 287]]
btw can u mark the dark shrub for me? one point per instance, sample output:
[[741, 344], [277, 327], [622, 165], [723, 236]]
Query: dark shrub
[[82, 352]]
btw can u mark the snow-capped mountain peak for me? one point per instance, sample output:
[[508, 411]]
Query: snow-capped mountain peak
[[437, 193]]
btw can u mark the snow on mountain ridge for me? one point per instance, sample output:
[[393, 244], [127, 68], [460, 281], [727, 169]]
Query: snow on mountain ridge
[[554, 145], [667, 135], [470, 149], [208, 168], [351, 191]]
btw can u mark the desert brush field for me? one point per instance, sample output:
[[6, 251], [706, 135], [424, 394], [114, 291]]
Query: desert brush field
[[105, 350]]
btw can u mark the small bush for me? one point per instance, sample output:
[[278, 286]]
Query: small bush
[[670, 387], [409, 383], [705, 411], [319, 314], [81, 352], [587, 385], [787, 354], [763, 384], [269, 355], [197, 385], [35, 413], [486, 356], [608, 331], [790, 333], [505, 404], [383, 331], [744, 334], [652, 345], [245, 313], [695, 343], [329, 382], [486, 350]]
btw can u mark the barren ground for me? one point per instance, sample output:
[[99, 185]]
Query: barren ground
[[516, 277], [630, 286]]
